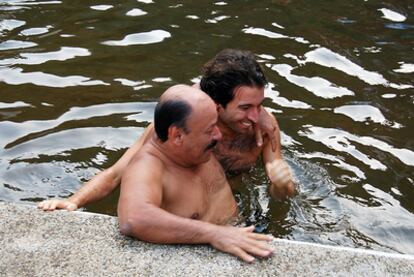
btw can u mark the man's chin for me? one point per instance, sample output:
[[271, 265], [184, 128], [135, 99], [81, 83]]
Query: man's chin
[[245, 129], [240, 128]]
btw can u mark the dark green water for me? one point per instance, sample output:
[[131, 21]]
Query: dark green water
[[79, 81]]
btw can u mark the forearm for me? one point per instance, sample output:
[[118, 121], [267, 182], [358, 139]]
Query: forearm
[[155, 225], [106, 181], [97, 188]]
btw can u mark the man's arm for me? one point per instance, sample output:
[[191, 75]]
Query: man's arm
[[267, 124], [278, 171], [141, 216], [101, 184]]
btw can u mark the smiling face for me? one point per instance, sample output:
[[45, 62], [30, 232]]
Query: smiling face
[[242, 112]]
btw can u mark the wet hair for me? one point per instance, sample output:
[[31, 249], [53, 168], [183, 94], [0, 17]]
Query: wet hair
[[229, 69], [170, 113]]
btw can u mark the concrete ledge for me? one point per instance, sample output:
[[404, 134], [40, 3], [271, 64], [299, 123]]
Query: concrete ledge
[[36, 243]]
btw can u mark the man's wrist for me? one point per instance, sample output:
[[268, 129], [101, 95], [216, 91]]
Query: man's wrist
[[208, 233], [74, 200]]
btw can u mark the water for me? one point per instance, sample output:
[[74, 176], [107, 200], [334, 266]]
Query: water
[[79, 81]]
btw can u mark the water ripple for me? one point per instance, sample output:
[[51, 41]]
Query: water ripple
[[136, 12], [340, 140], [405, 68], [17, 104], [10, 24], [263, 32], [35, 31], [17, 131], [283, 102], [392, 15], [317, 85], [129, 83], [154, 36], [217, 19], [32, 3], [16, 44], [65, 53], [388, 223], [16, 76], [337, 162], [362, 113], [269, 34], [57, 143], [191, 16], [101, 7], [328, 58]]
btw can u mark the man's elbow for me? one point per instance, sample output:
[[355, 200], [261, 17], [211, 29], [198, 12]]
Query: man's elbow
[[126, 228], [133, 226]]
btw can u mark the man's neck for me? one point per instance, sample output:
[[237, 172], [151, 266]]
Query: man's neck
[[234, 140], [227, 132], [170, 154]]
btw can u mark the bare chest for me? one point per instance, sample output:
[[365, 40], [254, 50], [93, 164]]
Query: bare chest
[[202, 195], [237, 155]]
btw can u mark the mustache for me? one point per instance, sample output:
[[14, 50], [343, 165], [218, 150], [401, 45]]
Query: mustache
[[211, 145]]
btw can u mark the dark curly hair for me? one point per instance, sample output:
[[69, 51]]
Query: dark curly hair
[[229, 69]]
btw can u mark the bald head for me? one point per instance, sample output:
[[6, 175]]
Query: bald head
[[175, 106], [185, 93]]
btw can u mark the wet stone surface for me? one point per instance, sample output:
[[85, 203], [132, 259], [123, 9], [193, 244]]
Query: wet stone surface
[[36, 243]]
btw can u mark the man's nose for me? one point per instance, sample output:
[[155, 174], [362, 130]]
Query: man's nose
[[253, 115], [217, 133]]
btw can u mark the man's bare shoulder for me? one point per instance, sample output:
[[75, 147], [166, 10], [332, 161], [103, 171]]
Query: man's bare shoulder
[[146, 162]]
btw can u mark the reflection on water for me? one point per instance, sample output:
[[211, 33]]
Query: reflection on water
[[392, 15], [79, 84], [140, 38], [65, 53]]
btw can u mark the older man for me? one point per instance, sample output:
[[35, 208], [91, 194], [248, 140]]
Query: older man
[[235, 81], [174, 190]]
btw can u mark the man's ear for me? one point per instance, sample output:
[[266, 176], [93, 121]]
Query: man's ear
[[175, 134], [220, 108]]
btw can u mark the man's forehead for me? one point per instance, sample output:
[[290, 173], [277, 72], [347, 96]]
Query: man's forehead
[[248, 94]]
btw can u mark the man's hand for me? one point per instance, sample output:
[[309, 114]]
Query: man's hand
[[281, 179], [53, 204], [241, 242], [268, 125]]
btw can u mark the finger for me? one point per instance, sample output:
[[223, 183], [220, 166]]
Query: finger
[[236, 251], [53, 205], [259, 136], [257, 249], [262, 237], [70, 207], [273, 141], [261, 244], [46, 205], [249, 229], [40, 205]]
